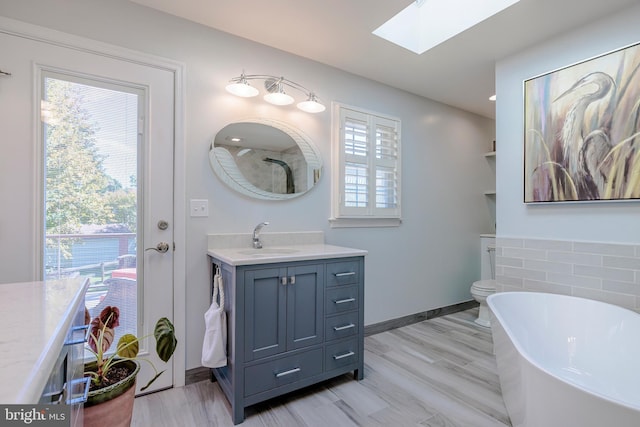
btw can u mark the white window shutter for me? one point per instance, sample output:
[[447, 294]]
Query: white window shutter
[[368, 160]]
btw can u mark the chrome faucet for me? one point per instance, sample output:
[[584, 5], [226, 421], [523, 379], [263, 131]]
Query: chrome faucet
[[257, 244]]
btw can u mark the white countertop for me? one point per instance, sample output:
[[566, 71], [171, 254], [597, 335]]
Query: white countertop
[[34, 319], [273, 254]]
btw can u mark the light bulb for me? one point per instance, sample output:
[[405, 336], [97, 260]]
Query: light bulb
[[278, 98], [242, 89], [310, 106]]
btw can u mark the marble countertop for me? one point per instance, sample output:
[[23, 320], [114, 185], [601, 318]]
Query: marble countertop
[[273, 254], [35, 318], [236, 248]]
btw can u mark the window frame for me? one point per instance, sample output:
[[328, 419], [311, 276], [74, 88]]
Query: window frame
[[369, 215]]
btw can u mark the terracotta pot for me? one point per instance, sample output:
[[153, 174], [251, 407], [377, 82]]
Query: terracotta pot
[[111, 406]]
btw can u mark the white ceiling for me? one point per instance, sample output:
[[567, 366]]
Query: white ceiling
[[459, 72]]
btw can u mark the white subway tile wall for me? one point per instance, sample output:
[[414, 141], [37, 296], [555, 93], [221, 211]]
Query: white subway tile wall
[[607, 272]]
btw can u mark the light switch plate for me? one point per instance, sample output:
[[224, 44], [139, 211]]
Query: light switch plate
[[199, 207]]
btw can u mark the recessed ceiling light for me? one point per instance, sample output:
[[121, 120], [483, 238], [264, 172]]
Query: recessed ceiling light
[[425, 24], [492, 98]]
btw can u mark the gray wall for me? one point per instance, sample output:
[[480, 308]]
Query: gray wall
[[603, 222], [428, 262], [565, 248]]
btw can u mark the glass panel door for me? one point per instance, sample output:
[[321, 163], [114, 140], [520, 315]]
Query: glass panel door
[[91, 141]]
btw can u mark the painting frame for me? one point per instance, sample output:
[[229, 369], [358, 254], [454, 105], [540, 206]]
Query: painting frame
[[582, 131]]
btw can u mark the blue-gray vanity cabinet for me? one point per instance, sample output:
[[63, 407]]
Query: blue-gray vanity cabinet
[[290, 325], [283, 309]]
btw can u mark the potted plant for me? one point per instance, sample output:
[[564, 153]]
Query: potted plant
[[113, 377]]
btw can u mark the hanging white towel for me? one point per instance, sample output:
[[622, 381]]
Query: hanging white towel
[[214, 346]]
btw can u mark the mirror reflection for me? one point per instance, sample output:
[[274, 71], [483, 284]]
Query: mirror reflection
[[265, 159]]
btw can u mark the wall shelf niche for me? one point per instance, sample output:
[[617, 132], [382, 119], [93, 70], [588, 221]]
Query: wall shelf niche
[[491, 155], [491, 194]]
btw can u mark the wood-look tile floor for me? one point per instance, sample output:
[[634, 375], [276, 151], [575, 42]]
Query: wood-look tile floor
[[439, 372]]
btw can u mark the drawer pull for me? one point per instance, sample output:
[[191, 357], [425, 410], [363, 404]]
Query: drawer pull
[[349, 273], [289, 372], [85, 393], [342, 356], [344, 301], [342, 328], [78, 340]]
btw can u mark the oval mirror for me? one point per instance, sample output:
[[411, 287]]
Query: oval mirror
[[265, 159]]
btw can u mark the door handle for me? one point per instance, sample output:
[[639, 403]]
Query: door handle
[[162, 247]]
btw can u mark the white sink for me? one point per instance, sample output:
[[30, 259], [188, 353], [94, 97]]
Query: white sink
[[268, 251]]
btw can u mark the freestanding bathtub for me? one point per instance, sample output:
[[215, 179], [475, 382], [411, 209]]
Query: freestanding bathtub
[[566, 361]]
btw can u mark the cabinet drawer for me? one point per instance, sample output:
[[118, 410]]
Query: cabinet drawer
[[270, 375], [344, 298], [343, 273], [54, 388], [342, 326], [341, 354]]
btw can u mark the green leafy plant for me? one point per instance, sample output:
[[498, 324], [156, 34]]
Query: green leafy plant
[[101, 335]]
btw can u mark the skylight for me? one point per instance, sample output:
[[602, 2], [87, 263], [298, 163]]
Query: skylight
[[425, 24]]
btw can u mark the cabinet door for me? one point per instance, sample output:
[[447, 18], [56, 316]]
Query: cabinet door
[[305, 305], [265, 312]]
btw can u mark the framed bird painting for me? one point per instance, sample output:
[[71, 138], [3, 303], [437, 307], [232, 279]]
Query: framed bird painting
[[582, 131]]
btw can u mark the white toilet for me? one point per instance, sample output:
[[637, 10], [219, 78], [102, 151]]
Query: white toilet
[[481, 289]]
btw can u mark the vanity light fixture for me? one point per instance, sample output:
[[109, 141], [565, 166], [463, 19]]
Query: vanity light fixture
[[241, 87], [275, 87], [311, 105], [276, 95]]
